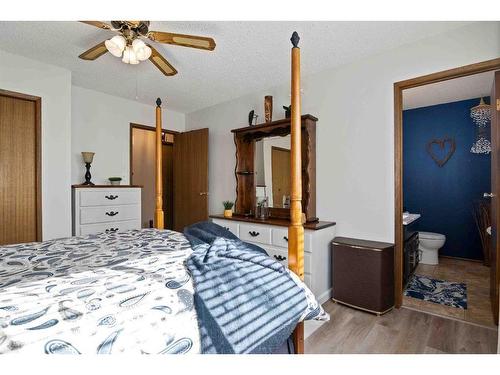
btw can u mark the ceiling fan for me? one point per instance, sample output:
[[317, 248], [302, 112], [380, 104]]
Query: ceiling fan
[[130, 46]]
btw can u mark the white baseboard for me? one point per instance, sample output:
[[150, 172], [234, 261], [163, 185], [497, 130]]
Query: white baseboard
[[310, 326], [323, 297]]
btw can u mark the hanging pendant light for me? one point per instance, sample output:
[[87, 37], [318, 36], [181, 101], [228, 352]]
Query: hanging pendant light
[[481, 115]]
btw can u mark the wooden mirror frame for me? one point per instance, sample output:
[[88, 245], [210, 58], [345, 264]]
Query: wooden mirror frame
[[245, 138]]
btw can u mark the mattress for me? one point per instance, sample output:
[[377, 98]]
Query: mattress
[[125, 292]]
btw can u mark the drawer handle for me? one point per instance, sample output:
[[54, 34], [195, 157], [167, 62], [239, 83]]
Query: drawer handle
[[112, 213], [285, 238], [279, 257], [111, 230], [226, 228], [111, 197], [253, 233]]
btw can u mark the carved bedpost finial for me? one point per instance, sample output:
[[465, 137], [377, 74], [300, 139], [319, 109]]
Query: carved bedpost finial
[[158, 102], [295, 39]]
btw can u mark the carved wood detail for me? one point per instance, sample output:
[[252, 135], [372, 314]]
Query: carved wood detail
[[244, 140]]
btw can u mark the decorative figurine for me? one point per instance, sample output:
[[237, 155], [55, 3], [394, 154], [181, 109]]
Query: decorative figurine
[[252, 116], [288, 111], [268, 108]]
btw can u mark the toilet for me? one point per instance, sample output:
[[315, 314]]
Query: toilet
[[429, 245]]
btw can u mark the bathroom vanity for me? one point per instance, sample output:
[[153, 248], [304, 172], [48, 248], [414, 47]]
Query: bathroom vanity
[[410, 250]]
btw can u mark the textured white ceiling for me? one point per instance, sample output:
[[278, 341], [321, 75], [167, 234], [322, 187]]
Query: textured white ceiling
[[249, 56], [453, 90]]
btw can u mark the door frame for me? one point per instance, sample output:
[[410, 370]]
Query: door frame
[[444, 75], [38, 153]]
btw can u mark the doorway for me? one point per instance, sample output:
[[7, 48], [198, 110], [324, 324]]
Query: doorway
[[20, 168], [399, 87], [142, 171], [185, 174]]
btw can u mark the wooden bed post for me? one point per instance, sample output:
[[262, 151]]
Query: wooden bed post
[[159, 217], [296, 229]]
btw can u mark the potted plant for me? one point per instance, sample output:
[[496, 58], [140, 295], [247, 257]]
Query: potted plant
[[228, 208], [115, 180]]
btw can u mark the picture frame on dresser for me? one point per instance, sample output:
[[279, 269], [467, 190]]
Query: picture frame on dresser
[[105, 208]]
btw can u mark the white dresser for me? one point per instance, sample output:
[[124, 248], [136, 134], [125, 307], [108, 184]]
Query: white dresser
[[273, 238], [105, 208]]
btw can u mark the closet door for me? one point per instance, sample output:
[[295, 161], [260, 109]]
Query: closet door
[[190, 178], [20, 219]]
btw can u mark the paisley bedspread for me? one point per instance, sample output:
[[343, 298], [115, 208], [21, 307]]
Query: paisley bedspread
[[124, 292], [108, 293]]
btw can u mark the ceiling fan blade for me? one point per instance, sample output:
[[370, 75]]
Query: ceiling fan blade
[[161, 63], [99, 24], [94, 52], [191, 41]]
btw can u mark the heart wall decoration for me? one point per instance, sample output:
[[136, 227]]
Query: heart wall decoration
[[441, 150]]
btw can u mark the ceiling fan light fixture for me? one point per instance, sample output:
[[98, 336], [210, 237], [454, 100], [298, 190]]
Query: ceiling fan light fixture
[[116, 45], [142, 51], [129, 56]]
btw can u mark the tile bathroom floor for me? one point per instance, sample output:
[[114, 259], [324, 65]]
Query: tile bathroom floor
[[474, 274]]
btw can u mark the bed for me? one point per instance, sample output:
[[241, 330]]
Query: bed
[[140, 291]]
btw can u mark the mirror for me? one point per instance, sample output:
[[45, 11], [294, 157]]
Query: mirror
[[254, 166], [272, 171]]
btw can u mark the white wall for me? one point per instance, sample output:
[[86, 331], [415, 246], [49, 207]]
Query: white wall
[[53, 85], [100, 123], [355, 134]]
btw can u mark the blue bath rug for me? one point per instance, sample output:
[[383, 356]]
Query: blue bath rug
[[437, 291]]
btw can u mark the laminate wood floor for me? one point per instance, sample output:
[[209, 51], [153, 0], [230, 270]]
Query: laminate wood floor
[[477, 278], [352, 331]]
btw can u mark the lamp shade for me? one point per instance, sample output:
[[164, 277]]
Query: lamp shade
[[116, 45], [129, 56], [88, 157], [142, 51]]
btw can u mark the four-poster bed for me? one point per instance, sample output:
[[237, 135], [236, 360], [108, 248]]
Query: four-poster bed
[[296, 228], [159, 291]]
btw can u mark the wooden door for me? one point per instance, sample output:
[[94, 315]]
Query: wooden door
[[20, 205], [190, 178], [280, 170], [495, 190]]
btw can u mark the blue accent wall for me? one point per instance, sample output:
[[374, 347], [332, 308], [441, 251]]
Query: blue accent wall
[[444, 195]]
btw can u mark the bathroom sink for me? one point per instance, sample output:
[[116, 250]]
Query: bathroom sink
[[409, 218]]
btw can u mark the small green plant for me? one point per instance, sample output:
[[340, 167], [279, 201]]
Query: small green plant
[[228, 205], [115, 179]]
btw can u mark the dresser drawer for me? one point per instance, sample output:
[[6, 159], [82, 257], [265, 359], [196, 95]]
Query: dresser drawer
[[106, 197], [281, 255], [255, 233], [229, 225], [280, 238], [109, 227], [92, 215]]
